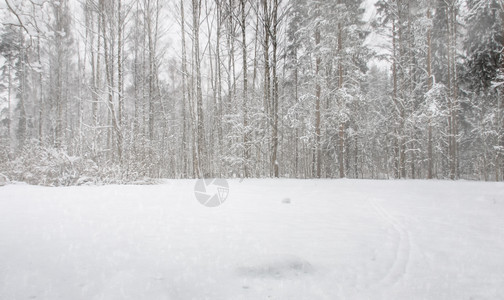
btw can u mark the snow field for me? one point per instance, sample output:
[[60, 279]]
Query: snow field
[[334, 239]]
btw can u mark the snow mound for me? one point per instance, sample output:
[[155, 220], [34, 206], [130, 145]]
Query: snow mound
[[275, 266], [3, 179]]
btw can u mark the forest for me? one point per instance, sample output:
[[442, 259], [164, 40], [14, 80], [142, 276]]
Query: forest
[[121, 91]]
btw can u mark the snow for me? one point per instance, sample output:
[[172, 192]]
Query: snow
[[369, 10], [336, 239]]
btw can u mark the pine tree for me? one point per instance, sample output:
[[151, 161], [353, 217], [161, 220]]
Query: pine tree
[[483, 45]]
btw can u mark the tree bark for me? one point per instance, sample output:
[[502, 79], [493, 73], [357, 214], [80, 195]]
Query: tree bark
[[274, 42], [502, 97], [318, 91], [246, 150], [341, 131], [429, 87], [267, 27], [199, 97], [120, 81]]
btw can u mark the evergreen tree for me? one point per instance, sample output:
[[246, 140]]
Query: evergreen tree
[[483, 45]]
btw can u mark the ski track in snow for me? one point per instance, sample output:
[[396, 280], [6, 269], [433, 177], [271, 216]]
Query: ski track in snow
[[403, 249]]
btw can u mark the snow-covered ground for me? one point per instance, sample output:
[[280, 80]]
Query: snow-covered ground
[[336, 239]]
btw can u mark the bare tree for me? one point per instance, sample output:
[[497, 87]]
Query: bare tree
[[200, 135]]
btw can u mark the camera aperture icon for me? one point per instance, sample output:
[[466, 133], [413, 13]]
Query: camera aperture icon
[[211, 192]]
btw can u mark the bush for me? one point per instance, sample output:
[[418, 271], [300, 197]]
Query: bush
[[42, 165]]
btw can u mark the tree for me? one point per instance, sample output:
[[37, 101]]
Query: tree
[[246, 149], [9, 49], [483, 44], [196, 12]]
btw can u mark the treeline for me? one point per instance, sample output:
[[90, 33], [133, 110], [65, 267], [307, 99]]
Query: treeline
[[122, 90]]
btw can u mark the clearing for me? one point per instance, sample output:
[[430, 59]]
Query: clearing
[[271, 239]]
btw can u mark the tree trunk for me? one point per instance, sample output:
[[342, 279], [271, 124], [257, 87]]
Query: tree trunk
[[266, 20], [120, 82], [318, 91], [218, 64], [429, 87], [109, 72], [502, 98], [195, 164], [246, 151], [395, 100], [341, 131], [274, 159], [199, 97]]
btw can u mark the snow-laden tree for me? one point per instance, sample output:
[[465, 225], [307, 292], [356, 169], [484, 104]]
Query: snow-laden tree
[[484, 79], [127, 89], [331, 35]]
